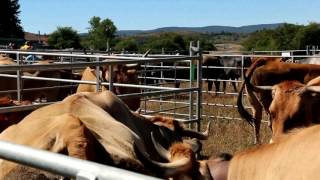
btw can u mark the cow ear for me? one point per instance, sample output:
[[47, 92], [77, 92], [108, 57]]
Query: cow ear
[[194, 143]]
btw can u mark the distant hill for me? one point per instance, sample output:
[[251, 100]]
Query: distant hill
[[206, 29]]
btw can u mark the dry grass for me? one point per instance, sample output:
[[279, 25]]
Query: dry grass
[[227, 135]]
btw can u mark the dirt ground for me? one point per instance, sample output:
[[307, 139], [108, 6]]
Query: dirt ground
[[227, 135]]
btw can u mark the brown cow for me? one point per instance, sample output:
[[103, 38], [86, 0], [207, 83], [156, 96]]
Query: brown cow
[[294, 105], [294, 156], [269, 72], [11, 83], [94, 126], [120, 74], [10, 118], [5, 60]]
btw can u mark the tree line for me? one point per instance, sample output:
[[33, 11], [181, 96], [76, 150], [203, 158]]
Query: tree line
[[285, 37], [102, 34]]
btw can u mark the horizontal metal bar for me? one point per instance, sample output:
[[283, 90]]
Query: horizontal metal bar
[[59, 66], [165, 97], [263, 55], [38, 89], [23, 107], [220, 92], [170, 68], [64, 165], [222, 80], [168, 109], [168, 79], [117, 58], [229, 118], [169, 102], [222, 67], [154, 93], [89, 82], [178, 119]]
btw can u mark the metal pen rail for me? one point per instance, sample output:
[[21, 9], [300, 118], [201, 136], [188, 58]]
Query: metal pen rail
[[65, 165]]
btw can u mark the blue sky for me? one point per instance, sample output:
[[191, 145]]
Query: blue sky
[[47, 15]]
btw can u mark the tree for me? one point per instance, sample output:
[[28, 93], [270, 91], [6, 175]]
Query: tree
[[283, 37], [207, 45], [308, 36], [128, 44], [260, 40], [9, 22], [168, 41], [101, 32], [64, 37]]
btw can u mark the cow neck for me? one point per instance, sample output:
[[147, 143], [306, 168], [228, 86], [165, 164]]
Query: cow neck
[[102, 77], [103, 74], [305, 66]]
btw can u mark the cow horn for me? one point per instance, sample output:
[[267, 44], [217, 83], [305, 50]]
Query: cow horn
[[263, 87], [198, 135], [146, 53], [315, 89], [167, 169], [163, 133], [165, 154], [172, 168], [139, 110], [194, 143], [131, 65]]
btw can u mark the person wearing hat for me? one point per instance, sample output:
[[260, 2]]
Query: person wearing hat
[[26, 46]]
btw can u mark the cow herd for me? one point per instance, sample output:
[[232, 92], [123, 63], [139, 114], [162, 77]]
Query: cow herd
[[100, 127]]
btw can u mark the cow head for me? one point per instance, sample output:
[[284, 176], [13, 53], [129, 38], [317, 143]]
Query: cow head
[[174, 125], [5, 60], [294, 105], [124, 74], [170, 130], [181, 163]]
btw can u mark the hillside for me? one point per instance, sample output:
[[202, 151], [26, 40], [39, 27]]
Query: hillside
[[206, 29]]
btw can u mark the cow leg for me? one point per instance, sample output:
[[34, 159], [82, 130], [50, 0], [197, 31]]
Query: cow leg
[[257, 115], [224, 84], [217, 84], [177, 84], [257, 129], [234, 86], [210, 83]]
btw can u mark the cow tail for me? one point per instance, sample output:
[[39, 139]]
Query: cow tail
[[250, 88], [242, 110]]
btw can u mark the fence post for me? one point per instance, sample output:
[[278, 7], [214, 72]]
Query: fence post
[[110, 77], [190, 83], [144, 90], [199, 86], [160, 84], [18, 79], [98, 84]]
